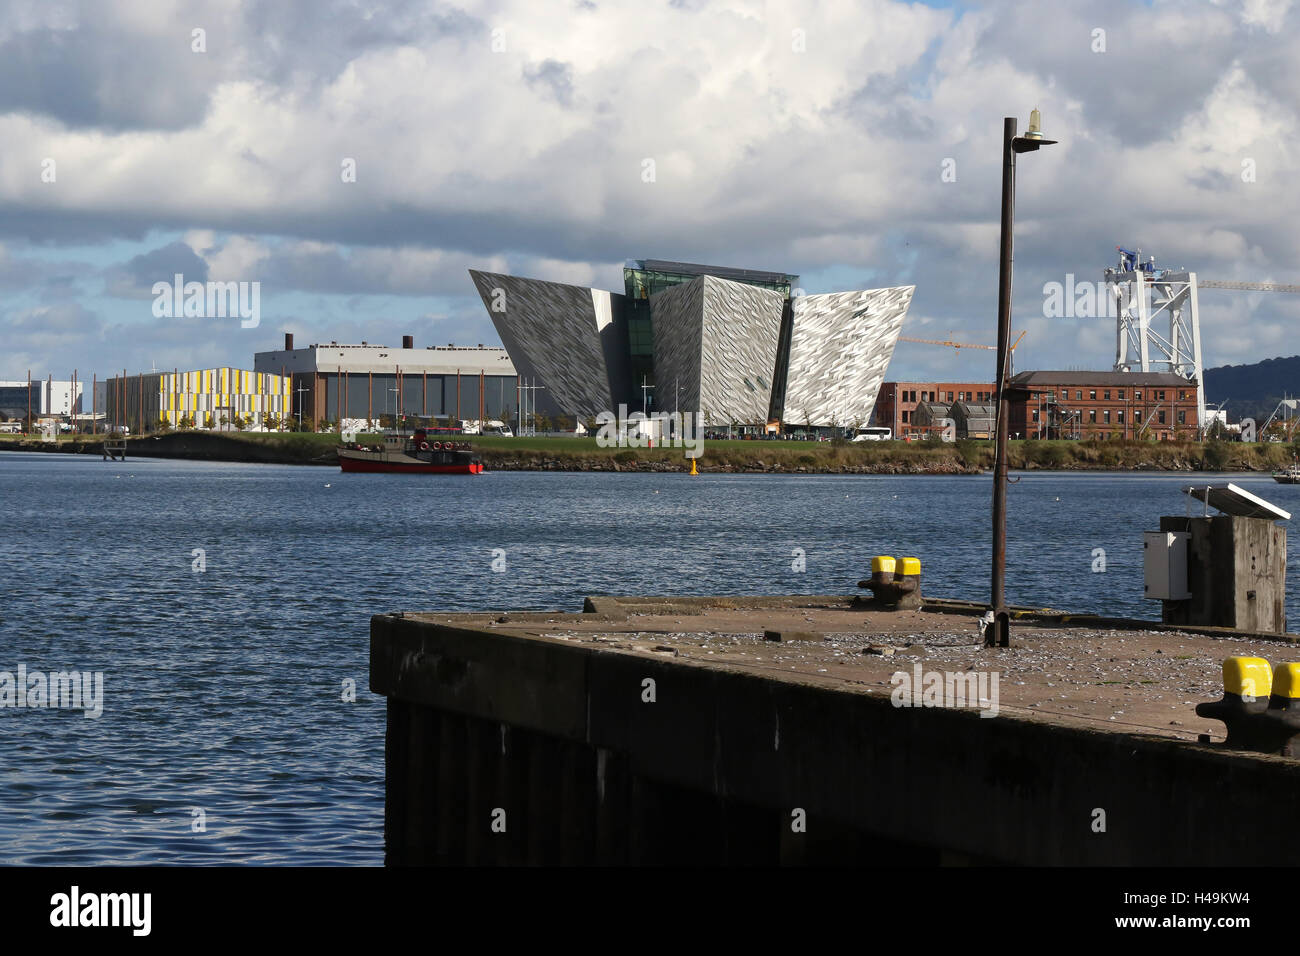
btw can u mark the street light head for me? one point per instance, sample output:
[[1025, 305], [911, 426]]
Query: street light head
[[1035, 130], [1033, 137]]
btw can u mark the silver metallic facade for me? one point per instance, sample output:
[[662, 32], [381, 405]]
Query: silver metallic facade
[[840, 347], [721, 347], [716, 340], [565, 337]]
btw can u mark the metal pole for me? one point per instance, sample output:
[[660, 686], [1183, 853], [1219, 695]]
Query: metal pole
[[999, 634]]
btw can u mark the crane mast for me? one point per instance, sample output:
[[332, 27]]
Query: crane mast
[[1148, 301]]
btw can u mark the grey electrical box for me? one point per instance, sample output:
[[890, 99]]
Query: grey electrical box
[[1164, 565]]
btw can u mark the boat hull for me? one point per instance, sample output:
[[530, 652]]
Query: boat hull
[[399, 463], [406, 468]]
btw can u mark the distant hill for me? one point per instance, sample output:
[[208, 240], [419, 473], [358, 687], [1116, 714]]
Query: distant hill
[[1253, 390]]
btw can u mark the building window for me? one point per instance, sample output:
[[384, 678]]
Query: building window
[[1106, 395], [1078, 395], [1182, 418], [906, 416], [1121, 394], [1119, 416], [1035, 414], [1137, 396], [1182, 396], [1137, 417], [1161, 419], [1092, 395], [1105, 417], [1092, 415], [950, 396], [1160, 396]]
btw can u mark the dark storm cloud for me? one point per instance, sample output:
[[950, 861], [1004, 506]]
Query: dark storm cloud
[[95, 76], [136, 278]]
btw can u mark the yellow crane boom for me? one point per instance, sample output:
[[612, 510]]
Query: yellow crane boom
[[958, 345]]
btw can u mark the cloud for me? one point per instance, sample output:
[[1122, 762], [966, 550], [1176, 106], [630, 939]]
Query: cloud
[[499, 135], [135, 279]]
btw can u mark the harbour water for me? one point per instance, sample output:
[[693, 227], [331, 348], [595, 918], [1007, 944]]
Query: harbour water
[[227, 607]]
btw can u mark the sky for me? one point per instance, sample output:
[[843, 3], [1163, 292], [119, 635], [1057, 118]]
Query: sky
[[355, 159]]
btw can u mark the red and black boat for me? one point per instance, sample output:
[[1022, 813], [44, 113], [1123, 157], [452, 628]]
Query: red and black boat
[[416, 455]]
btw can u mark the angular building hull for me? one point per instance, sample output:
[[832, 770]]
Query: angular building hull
[[738, 350], [565, 338], [840, 347], [716, 340]]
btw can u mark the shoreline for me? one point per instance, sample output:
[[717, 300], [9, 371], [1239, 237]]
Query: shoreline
[[721, 457]]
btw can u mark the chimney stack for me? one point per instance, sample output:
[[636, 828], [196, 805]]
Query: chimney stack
[[288, 341], [408, 341]]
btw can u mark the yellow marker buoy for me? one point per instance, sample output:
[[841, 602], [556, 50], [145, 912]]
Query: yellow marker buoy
[[693, 471]]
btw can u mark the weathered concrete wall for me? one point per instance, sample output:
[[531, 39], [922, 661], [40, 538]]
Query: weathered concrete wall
[[557, 735]]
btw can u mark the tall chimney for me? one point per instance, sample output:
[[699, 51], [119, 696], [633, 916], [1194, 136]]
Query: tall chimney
[[408, 341], [288, 341]]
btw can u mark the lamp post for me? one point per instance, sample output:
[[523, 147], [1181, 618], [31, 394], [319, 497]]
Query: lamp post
[[998, 632]]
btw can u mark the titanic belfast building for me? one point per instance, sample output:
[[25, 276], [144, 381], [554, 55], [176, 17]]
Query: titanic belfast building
[[743, 348]]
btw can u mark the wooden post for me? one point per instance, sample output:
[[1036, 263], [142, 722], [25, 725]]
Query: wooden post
[[424, 394], [458, 397], [370, 397]]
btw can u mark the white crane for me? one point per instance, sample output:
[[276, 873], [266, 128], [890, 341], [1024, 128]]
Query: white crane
[[1142, 292]]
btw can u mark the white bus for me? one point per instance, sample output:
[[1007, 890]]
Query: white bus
[[874, 433]]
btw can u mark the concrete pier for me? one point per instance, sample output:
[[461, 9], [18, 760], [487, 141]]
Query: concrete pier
[[680, 731]]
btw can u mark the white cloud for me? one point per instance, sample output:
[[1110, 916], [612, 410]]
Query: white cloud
[[817, 160]]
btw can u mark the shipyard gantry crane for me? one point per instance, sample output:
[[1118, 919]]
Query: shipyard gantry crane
[[1141, 293]]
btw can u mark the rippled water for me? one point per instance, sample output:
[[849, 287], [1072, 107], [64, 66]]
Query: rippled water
[[223, 689]]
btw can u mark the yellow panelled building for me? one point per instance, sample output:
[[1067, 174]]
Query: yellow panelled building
[[212, 397]]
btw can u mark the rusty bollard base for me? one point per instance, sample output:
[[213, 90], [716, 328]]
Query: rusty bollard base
[[895, 582], [1260, 707]]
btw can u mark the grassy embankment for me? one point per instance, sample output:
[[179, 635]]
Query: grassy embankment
[[582, 454]]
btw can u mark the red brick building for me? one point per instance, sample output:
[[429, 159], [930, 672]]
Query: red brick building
[[897, 402], [1104, 405]]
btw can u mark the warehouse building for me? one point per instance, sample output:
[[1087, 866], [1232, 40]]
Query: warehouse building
[[899, 405], [930, 420], [1150, 405], [204, 398], [334, 382], [41, 397], [974, 419]]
